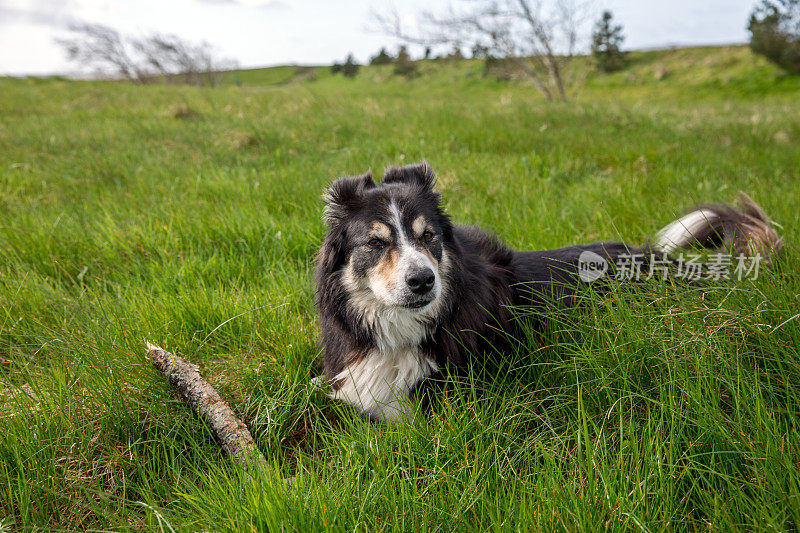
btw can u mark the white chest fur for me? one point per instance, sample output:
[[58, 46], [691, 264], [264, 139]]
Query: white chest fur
[[379, 384]]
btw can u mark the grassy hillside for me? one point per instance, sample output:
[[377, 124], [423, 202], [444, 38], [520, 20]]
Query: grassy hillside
[[710, 72], [190, 217]]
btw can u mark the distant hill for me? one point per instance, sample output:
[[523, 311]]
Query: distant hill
[[724, 70]]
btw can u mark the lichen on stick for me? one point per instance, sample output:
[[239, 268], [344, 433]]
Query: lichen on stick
[[232, 433]]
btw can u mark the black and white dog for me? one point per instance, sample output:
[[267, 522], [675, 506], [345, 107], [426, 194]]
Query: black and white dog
[[402, 292]]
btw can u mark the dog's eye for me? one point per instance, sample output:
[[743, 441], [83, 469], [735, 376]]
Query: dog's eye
[[427, 236], [375, 243]]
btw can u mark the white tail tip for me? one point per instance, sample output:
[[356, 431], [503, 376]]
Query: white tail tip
[[682, 232]]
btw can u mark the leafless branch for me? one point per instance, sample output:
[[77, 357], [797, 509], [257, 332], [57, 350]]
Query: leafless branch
[[539, 37], [102, 48], [148, 59]]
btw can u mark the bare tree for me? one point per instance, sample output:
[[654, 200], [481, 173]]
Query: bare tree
[[176, 60], [148, 59], [103, 49], [538, 37]]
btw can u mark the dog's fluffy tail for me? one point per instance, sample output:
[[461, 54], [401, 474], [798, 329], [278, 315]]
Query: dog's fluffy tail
[[746, 230]]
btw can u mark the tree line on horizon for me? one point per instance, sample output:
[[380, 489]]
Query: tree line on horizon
[[532, 40], [520, 39]]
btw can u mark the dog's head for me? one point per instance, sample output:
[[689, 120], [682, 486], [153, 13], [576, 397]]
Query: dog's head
[[388, 241]]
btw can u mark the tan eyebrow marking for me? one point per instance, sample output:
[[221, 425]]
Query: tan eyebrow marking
[[418, 226], [381, 231]]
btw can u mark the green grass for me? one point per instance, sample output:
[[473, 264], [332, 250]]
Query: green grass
[[190, 217]]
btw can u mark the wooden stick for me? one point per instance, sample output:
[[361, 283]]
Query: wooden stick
[[231, 432]]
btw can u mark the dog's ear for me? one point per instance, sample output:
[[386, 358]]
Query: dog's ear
[[420, 174], [341, 195], [332, 253]]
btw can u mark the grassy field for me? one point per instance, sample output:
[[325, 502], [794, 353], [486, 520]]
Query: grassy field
[[190, 217]]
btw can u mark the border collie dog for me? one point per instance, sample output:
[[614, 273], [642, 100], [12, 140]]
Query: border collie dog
[[402, 292]]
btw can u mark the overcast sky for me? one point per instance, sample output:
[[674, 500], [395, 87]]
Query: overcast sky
[[272, 32]]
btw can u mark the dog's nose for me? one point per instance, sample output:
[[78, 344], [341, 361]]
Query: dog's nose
[[421, 281]]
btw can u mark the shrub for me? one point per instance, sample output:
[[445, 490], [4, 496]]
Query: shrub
[[403, 65], [350, 67], [382, 58], [607, 40], [455, 54], [502, 68], [480, 51], [775, 32]]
